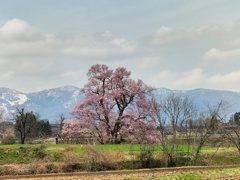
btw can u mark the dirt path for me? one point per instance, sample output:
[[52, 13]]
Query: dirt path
[[118, 175]]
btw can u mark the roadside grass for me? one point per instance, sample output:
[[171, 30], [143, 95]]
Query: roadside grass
[[199, 175], [224, 156]]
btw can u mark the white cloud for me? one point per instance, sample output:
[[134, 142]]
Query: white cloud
[[50, 60], [7, 76], [170, 35], [106, 34], [29, 69], [190, 78], [197, 78], [232, 77], [166, 76], [124, 45], [73, 74], [228, 81], [18, 38], [85, 51], [148, 62], [28, 49], [18, 30], [183, 80], [95, 49], [40, 59], [222, 55]]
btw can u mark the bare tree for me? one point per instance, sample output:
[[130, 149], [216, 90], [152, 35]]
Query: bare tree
[[179, 122], [208, 124], [231, 131], [25, 123], [170, 115]]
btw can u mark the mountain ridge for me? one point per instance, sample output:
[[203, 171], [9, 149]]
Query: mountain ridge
[[48, 103], [51, 103]]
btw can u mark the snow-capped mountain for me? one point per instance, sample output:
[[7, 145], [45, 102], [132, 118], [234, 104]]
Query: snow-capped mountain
[[204, 97], [51, 103], [10, 98]]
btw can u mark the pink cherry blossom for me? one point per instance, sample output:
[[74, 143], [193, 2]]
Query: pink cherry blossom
[[115, 107]]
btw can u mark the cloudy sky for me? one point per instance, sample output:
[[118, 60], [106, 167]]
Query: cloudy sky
[[177, 44]]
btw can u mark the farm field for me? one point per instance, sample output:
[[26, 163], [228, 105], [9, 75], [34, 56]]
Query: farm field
[[27, 159]]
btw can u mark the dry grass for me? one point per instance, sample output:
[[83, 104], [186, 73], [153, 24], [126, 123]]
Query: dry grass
[[168, 174], [95, 160]]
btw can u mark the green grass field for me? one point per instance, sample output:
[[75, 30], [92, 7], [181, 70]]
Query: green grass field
[[80, 148]]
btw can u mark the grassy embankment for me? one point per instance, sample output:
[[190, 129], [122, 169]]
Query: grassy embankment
[[52, 158], [24, 154]]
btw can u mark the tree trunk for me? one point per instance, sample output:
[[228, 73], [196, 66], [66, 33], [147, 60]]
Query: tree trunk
[[115, 131], [170, 161], [22, 139]]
